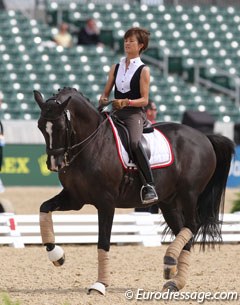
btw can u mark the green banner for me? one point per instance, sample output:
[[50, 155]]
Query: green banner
[[25, 164]]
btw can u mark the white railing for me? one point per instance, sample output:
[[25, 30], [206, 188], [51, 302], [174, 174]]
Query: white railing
[[134, 228]]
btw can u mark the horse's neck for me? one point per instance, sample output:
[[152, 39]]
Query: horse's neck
[[86, 121]]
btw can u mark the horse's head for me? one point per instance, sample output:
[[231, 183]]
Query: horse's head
[[55, 127]]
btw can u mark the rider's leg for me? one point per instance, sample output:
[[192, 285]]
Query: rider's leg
[[148, 192], [134, 124]]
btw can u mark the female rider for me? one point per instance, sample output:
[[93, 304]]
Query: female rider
[[131, 78]]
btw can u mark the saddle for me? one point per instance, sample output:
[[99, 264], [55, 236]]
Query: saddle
[[124, 136], [155, 143]]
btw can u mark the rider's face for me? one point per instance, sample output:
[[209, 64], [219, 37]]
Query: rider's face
[[132, 46]]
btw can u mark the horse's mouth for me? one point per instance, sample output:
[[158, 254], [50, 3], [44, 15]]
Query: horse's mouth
[[55, 164], [54, 169]]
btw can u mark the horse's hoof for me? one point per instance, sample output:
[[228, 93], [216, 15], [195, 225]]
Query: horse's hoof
[[57, 256], [170, 267], [170, 286], [59, 262], [97, 287], [169, 272]]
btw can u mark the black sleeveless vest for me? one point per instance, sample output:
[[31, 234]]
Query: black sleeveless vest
[[134, 92]]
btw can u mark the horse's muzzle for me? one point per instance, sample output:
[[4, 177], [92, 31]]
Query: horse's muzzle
[[55, 163], [55, 159]]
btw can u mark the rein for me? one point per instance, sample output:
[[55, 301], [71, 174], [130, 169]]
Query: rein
[[86, 141], [90, 138]]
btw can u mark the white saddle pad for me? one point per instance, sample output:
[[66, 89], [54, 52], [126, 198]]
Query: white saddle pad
[[161, 152]]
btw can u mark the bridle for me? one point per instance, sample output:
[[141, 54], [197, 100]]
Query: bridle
[[68, 148], [68, 133]]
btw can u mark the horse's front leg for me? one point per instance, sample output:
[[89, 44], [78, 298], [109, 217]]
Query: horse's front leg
[[105, 221], [55, 253], [61, 202]]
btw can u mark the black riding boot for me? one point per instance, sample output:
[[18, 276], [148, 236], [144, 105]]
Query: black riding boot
[[148, 193]]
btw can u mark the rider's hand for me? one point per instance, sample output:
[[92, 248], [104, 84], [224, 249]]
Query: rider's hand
[[103, 101], [120, 103]]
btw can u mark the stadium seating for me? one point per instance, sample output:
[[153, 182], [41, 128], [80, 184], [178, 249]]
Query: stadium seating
[[27, 63], [188, 35], [28, 60]]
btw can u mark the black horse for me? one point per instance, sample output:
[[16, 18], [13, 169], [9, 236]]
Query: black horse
[[81, 147]]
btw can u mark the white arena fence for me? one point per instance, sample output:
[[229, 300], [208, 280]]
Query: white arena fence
[[134, 228]]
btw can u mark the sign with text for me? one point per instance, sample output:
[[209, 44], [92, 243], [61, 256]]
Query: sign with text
[[234, 174], [25, 164]]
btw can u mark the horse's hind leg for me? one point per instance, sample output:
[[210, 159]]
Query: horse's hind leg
[[179, 280], [183, 223], [176, 259], [175, 248]]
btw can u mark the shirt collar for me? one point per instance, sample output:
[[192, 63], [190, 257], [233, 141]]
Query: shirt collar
[[134, 61]]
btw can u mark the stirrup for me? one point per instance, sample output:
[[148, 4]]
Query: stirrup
[[151, 200]]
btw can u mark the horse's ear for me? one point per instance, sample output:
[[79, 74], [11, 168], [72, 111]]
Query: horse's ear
[[65, 103], [38, 98]]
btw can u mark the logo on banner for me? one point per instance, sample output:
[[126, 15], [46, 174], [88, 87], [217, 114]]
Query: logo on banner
[[234, 174], [43, 166]]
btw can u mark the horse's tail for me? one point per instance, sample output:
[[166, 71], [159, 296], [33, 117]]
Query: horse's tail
[[211, 201]]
